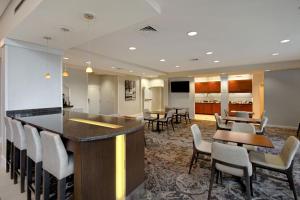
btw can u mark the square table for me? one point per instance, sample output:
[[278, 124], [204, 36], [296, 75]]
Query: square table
[[243, 138], [242, 119]]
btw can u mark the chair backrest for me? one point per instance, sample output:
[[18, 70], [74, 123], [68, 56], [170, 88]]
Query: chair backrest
[[18, 135], [8, 128], [55, 157], [243, 127], [263, 123], [196, 134], [289, 150], [232, 155], [242, 114], [146, 113], [226, 112], [34, 145], [167, 109], [218, 119], [182, 111], [170, 113]]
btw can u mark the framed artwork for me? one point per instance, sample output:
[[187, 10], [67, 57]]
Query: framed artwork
[[130, 90]]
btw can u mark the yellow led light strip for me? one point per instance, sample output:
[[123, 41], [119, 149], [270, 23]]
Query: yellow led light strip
[[120, 167], [108, 125]]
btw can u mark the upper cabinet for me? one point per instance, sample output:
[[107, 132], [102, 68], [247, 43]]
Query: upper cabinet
[[208, 87], [240, 86]]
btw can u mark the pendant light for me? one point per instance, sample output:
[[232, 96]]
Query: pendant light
[[89, 17], [65, 72], [47, 75]]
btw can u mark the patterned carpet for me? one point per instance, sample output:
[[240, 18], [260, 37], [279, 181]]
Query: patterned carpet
[[167, 158]]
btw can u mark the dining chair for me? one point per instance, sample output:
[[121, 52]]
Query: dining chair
[[19, 153], [226, 113], [200, 146], [244, 128], [9, 146], [282, 162], [220, 125], [233, 160], [167, 120], [183, 113], [261, 128], [56, 162], [148, 118], [242, 114]]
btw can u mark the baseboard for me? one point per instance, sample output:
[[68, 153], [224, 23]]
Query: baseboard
[[280, 126]]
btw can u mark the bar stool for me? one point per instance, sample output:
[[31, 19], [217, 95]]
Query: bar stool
[[34, 160], [9, 146], [56, 162], [19, 153]]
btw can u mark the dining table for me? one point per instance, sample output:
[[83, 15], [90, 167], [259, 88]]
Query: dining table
[[176, 116], [242, 119], [157, 113], [243, 138]]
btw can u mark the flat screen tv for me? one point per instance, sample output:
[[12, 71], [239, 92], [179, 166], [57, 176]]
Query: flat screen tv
[[180, 86]]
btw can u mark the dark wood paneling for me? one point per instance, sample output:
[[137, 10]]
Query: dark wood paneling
[[240, 86], [240, 107], [207, 108], [134, 160], [208, 87]]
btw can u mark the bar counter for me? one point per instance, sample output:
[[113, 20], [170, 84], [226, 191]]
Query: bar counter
[[108, 152]]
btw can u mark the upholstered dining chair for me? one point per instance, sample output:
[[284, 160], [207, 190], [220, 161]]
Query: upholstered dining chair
[[148, 118], [200, 146], [261, 129], [245, 128], [232, 160], [220, 125], [184, 113], [242, 114], [167, 120], [282, 163]]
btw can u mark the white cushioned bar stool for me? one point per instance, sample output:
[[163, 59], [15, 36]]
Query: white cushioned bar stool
[[9, 147], [199, 146], [56, 162], [19, 153], [34, 161]]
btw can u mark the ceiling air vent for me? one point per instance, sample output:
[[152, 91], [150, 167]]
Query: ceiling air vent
[[19, 6], [148, 29]]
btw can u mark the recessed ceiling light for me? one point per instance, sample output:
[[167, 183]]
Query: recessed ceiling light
[[162, 60], [65, 58], [113, 67], [267, 70], [216, 61], [88, 62], [285, 41], [132, 48], [177, 66], [143, 73], [192, 33], [275, 54], [209, 53], [130, 71]]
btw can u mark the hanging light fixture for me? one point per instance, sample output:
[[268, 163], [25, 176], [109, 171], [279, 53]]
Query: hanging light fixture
[[65, 72], [89, 17], [47, 75]]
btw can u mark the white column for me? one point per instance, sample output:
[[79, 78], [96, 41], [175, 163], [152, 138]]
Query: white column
[[224, 94]]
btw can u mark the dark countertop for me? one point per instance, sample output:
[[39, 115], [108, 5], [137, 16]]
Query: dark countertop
[[77, 131]]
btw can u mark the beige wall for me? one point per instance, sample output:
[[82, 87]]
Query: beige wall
[[258, 94]]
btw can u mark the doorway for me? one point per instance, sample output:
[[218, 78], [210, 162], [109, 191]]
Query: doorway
[[94, 99]]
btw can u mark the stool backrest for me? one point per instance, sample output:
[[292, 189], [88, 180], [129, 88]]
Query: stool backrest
[[55, 157], [34, 145], [18, 135], [8, 128]]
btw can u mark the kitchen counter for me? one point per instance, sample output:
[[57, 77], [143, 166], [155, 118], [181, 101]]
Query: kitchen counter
[[207, 108]]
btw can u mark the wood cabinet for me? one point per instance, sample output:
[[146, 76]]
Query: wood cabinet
[[208, 87], [240, 86], [207, 108], [240, 107]]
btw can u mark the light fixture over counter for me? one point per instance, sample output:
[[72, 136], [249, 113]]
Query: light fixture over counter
[[47, 75], [89, 17]]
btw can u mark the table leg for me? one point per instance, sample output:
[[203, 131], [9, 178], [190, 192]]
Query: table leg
[[177, 122], [157, 124]]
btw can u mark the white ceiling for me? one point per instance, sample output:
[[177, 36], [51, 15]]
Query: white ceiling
[[239, 32], [3, 5]]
